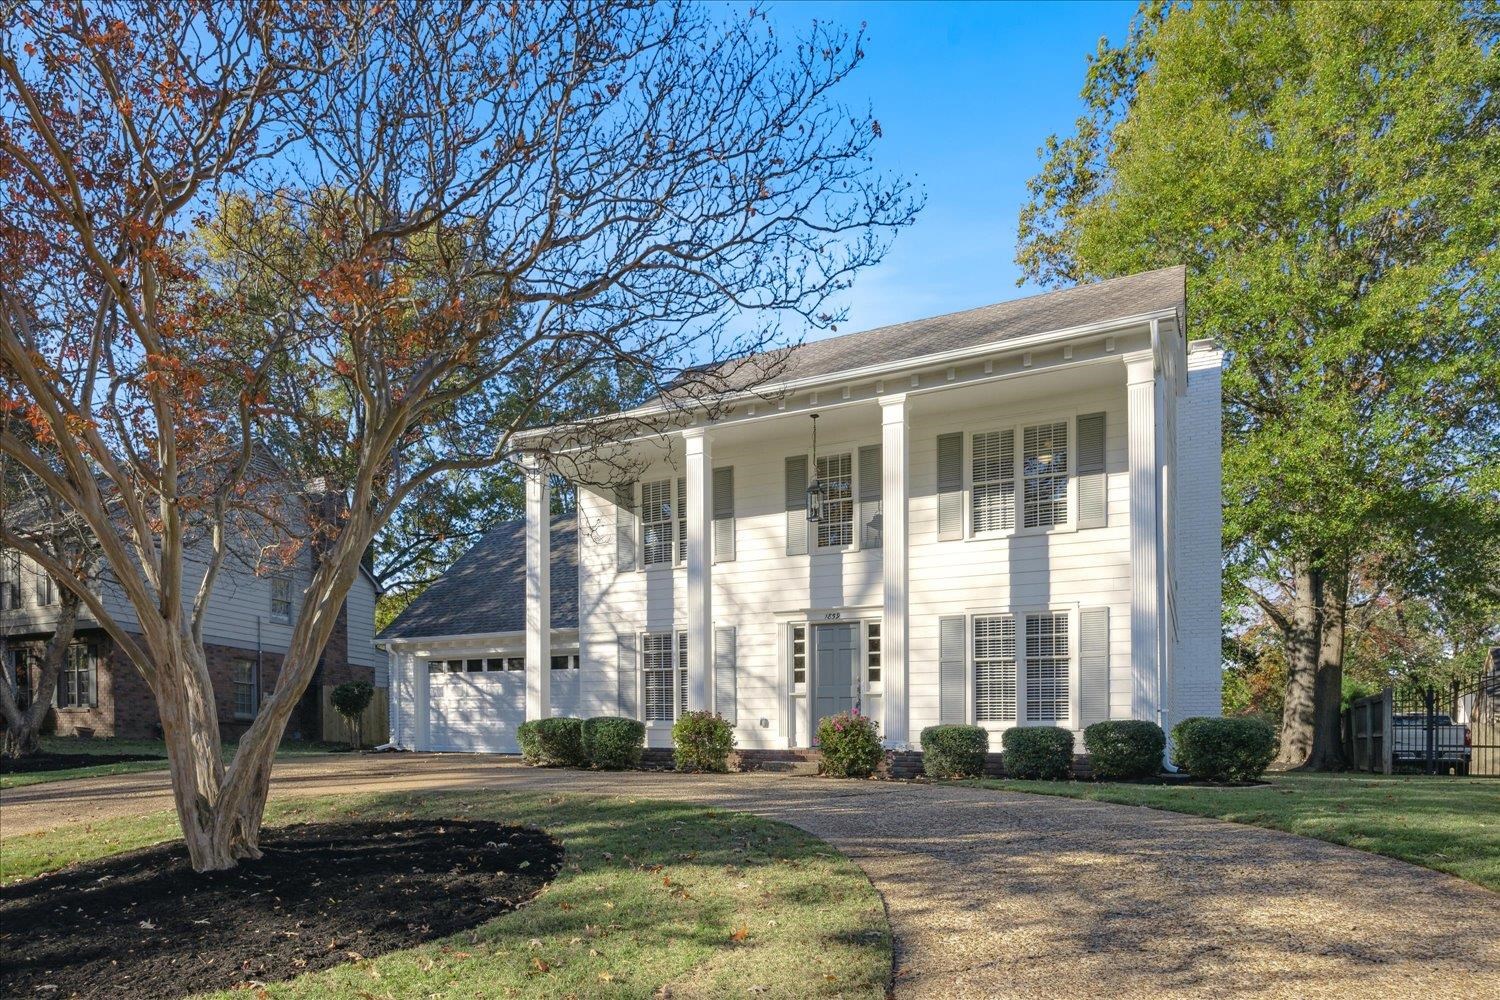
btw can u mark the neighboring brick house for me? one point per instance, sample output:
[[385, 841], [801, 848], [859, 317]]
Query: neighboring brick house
[[246, 630]]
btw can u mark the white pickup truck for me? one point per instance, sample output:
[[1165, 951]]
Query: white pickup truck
[[1451, 747]]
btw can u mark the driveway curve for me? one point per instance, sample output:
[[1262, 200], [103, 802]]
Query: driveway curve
[[999, 894]]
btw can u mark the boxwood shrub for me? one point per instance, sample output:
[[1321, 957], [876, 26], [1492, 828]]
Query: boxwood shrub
[[1044, 752], [555, 742], [1125, 749], [612, 742], [850, 743], [701, 741], [1229, 750], [954, 751]]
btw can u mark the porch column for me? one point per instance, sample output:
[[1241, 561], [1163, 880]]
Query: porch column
[[1145, 619], [700, 586], [538, 592], [894, 487]]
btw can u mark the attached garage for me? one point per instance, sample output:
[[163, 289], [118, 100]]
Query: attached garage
[[475, 705]]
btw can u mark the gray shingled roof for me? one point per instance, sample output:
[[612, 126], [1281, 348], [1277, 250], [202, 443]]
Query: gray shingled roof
[[485, 590], [1132, 295]]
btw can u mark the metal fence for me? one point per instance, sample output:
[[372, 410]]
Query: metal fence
[[1427, 729]]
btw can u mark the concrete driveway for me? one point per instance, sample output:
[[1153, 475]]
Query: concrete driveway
[[995, 894]]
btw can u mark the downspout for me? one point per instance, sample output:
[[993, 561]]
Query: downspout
[[1159, 482]]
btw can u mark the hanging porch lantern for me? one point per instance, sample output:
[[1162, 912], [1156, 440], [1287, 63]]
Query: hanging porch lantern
[[815, 489]]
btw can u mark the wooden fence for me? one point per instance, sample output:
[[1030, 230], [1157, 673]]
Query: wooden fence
[[1367, 721], [374, 724]]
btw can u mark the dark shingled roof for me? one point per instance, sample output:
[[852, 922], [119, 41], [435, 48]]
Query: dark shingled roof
[[1133, 295], [485, 590]]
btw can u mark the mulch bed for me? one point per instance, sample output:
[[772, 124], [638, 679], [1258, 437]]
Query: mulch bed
[[67, 761], [144, 925]]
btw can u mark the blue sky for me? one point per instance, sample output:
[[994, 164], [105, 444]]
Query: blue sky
[[965, 94]]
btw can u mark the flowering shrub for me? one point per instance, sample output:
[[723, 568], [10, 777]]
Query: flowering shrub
[[850, 744], [701, 741]]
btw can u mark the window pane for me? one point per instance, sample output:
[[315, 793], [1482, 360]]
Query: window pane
[[1044, 459], [657, 523], [516, 663], [799, 655], [657, 671], [995, 669], [836, 516], [1047, 660], [994, 481], [872, 652]]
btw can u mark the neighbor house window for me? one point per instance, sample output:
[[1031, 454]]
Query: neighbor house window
[[46, 590], [1047, 667], [657, 523], [799, 654], [836, 511], [246, 688], [18, 674], [993, 465], [281, 598], [1044, 465], [78, 687], [10, 580], [995, 668], [872, 652]]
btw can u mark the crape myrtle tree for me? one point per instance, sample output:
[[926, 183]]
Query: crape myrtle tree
[[1326, 172], [356, 248]]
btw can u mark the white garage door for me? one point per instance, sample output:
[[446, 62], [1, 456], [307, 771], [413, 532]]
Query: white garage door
[[475, 705]]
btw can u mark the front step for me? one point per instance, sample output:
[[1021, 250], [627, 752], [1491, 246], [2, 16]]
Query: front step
[[799, 768]]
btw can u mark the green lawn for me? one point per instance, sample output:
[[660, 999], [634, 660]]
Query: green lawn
[[1450, 824], [103, 746], [654, 899]]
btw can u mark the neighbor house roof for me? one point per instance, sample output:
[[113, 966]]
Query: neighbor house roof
[[1116, 298], [485, 590]]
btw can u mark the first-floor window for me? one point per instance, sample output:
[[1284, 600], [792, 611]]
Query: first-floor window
[[18, 675], [994, 668], [79, 685], [1047, 667], [246, 690], [872, 652], [657, 667]]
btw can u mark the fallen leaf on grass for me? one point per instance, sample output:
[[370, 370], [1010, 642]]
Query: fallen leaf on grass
[[540, 965], [739, 933]]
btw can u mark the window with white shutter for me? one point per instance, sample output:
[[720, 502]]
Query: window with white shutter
[[682, 520], [995, 668], [1048, 662], [1044, 466], [656, 675], [993, 467]]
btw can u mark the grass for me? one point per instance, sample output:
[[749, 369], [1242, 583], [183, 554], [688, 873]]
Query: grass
[[1449, 824], [654, 899], [110, 745]]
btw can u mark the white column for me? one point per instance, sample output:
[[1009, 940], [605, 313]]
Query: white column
[[1145, 617], [538, 592], [894, 490], [700, 592]]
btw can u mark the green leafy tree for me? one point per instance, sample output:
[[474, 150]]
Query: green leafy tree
[[1326, 171]]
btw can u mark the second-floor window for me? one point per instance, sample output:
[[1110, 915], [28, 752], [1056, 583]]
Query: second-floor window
[[281, 598], [10, 580], [46, 590], [1044, 464], [658, 526], [836, 511]]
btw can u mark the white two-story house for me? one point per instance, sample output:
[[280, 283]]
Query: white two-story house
[[1014, 520]]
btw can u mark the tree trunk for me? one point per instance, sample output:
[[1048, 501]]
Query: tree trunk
[[1298, 720], [1328, 690], [24, 726]]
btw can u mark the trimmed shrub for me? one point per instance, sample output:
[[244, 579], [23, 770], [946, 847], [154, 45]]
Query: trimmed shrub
[[1124, 750], [851, 745], [1041, 752], [954, 751], [701, 741], [350, 700], [1235, 749], [612, 743], [555, 742]]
